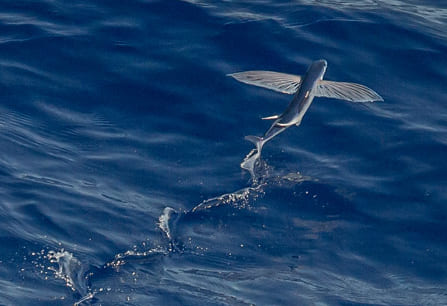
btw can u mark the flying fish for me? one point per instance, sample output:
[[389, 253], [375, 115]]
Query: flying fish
[[304, 89]]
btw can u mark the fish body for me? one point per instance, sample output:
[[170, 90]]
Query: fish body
[[304, 96], [297, 107]]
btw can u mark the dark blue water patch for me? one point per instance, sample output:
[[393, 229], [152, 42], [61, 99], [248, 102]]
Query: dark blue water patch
[[111, 112]]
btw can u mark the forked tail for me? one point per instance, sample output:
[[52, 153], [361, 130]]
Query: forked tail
[[258, 141]]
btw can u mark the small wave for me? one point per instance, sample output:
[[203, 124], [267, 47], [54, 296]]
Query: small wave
[[45, 180], [163, 221]]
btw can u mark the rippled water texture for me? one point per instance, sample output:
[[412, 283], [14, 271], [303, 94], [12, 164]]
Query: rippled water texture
[[121, 139]]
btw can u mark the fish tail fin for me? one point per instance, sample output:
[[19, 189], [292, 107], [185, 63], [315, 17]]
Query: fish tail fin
[[258, 141]]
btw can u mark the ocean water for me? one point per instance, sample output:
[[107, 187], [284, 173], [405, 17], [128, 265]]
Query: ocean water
[[121, 139]]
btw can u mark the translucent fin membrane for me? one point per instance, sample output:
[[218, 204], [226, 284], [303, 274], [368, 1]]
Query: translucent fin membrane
[[346, 91], [281, 82]]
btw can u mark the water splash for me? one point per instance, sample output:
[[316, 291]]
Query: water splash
[[241, 198], [249, 162], [68, 268], [87, 297], [163, 221], [122, 258]]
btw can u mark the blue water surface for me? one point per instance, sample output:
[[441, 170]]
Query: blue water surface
[[121, 139]]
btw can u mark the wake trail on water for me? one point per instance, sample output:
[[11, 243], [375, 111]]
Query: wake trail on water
[[261, 177], [239, 198], [78, 277]]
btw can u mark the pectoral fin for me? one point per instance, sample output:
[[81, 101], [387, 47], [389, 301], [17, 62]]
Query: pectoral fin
[[271, 117], [346, 91], [282, 82]]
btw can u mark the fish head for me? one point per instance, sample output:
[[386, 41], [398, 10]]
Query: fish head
[[316, 70], [320, 66]]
